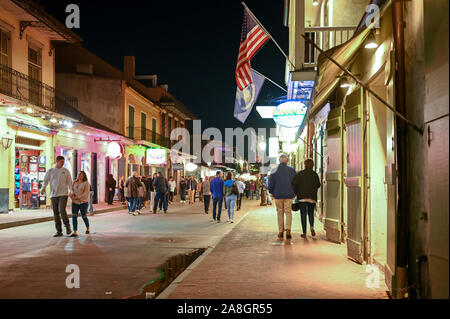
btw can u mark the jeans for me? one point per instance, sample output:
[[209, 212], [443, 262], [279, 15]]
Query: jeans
[[132, 202], [91, 200], [206, 201], [59, 212], [252, 193], [307, 209], [83, 209], [231, 202], [139, 203], [171, 197], [163, 198], [183, 195], [257, 194], [217, 201]]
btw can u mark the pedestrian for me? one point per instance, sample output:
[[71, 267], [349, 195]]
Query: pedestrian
[[147, 197], [199, 190], [247, 188], [257, 187], [280, 186], [141, 195], [183, 187], [269, 198], [305, 185], [263, 192], [60, 184], [252, 189], [110, 188], [122, 189], [231, 193], [152, 191], [192, 187], [162, 189], [80, 202], [216, 188], [241, 187], [91, 200], [132, 185], [172, 186], [206, 194]]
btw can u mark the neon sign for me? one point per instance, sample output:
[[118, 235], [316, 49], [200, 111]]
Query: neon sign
[[115, 150], [290, 114]]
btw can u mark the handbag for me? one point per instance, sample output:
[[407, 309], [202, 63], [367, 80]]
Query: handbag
[[295, 206]]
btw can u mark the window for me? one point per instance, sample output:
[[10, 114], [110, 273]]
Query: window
[[153, 130], [170, 125], [4, 47], [130, 121], [34, 75], [5, 75], [143, 125], [163, 124]]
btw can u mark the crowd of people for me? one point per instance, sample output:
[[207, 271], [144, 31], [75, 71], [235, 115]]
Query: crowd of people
[[283, 184]]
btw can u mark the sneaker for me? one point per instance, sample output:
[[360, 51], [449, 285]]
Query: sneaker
[[303, 235], [213, 220], [139, 212], [58, 235], [313, 233]]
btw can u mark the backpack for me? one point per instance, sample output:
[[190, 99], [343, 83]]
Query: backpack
[[234, 189]]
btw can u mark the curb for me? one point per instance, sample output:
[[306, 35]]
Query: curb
[[50, 218], [173, 285]]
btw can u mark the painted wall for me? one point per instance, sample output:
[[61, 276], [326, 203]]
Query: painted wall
[[98, 97], [19, 49]]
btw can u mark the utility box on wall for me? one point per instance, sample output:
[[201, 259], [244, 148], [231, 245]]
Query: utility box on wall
[[4, 200]]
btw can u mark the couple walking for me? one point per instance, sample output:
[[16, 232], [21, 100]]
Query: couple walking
[[221, 189], [62, 187], [284, 185]]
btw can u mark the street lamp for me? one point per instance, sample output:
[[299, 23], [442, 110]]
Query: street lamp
[[371, 42], [6, 141]]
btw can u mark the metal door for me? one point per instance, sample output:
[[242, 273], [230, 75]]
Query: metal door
[[333, 177], [354, 127]]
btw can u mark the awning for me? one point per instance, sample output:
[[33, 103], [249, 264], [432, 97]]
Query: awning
[[328, 73]]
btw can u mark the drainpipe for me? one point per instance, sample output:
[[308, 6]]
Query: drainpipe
[[402, 244]]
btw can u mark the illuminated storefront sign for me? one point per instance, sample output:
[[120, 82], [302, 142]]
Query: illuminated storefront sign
[[290, 114], [156, 156], [115, 150]]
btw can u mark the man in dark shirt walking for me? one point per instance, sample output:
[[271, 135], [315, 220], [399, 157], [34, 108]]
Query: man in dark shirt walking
[[305, 185]]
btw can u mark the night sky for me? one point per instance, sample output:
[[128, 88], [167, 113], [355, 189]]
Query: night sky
[[191, 45]]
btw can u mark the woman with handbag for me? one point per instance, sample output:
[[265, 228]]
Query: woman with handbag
[[231, 193]]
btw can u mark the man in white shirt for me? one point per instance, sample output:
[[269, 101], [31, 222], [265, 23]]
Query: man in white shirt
[[60, 184]]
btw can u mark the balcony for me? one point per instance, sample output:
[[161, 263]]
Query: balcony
[[144, 134], [23, 88], [325, 38]]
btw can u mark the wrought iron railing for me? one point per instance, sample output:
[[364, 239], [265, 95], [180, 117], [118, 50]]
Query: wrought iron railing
[[325, 38], [21, 87], [142, 133]]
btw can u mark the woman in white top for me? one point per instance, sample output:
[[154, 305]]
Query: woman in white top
[[172, 186], [80, 201]]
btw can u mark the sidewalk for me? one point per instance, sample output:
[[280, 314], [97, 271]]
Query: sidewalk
[[251, 263], [32, 216]]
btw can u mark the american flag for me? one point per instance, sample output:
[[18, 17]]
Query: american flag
[[252, 38]]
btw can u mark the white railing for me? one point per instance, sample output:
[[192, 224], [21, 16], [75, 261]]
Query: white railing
[[325, 38]]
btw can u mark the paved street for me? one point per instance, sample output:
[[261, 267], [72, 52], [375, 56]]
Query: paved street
[[251, 263], [116, 260]]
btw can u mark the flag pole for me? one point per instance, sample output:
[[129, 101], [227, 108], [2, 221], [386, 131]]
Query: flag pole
[[267, 32], [273, 82]]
